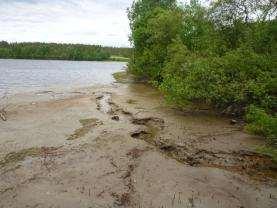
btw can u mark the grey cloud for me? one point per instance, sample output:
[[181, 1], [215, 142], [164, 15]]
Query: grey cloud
[[102, 22], [77, 21]]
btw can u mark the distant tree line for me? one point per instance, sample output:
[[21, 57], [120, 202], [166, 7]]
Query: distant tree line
[[223, 55], [58, 51]]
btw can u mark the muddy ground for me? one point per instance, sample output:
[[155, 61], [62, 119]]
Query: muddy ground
[[122, 146]]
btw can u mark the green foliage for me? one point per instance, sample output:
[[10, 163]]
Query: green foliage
[[198, 33], [154, 25], [262, 124], [59, 51], [239, 78], [222, 55], [227, 12]]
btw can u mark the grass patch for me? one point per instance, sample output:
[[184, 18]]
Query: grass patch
[[122, 77], [119, 58], [126, 77]]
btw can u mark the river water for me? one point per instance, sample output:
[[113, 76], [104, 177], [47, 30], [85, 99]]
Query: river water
[[34, 75]]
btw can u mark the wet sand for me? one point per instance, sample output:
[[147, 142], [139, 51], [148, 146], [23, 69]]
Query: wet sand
[[122, 146]]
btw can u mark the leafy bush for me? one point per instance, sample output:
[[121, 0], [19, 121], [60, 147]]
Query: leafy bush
[[239, 78], [215, 55]]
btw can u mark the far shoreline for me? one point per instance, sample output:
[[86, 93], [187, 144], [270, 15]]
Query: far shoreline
[[40, 59]]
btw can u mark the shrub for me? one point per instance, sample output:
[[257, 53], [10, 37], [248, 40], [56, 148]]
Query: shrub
[[215, 55], [239, 78]]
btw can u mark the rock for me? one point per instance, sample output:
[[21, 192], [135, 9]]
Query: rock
[[115, 118], [233, 121], [168, 147], [99, 96], [140, 133]]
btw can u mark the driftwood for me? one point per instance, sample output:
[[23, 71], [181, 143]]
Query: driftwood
[[3, 113]]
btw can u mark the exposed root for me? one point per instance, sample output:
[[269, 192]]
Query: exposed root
[[244, 162], [145, 121]]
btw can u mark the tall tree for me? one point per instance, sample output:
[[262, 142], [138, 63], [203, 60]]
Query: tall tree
[[154, 24]]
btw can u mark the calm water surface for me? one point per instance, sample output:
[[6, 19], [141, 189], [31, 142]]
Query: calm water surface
[[33, 75]]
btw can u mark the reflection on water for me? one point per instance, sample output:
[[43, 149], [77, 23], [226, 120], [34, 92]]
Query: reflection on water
[[32, 75]]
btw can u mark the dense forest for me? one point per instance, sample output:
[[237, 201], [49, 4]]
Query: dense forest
[[60, 51], [222, 55]]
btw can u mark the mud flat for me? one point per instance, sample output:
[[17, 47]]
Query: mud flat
[[121, 146]]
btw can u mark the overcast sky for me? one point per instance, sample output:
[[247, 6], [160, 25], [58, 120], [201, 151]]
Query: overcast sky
[[102, 22]]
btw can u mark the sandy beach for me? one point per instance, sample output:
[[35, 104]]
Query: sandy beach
[[121, 145]]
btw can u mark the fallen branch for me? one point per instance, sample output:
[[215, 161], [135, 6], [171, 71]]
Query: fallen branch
[[3, 113]]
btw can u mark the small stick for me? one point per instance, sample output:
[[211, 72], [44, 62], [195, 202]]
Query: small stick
[[2, 115]]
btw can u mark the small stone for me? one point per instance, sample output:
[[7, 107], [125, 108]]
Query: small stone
[[138, 133], [115, 118], [168, 147], [233, 121], [98, 97]]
